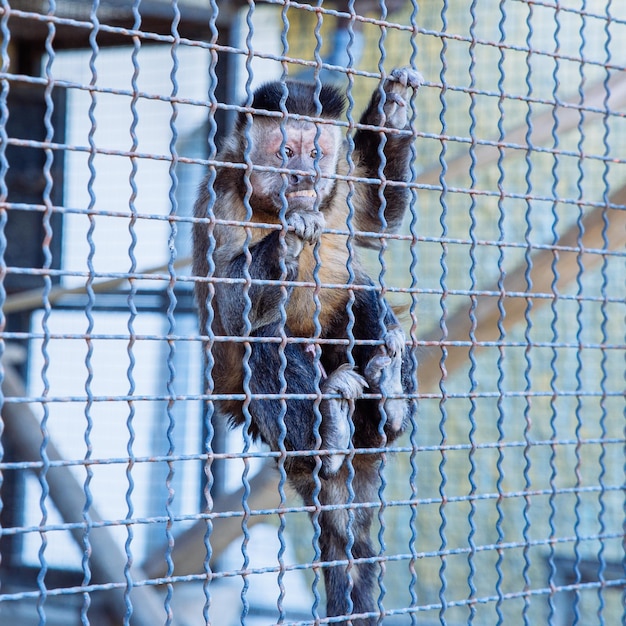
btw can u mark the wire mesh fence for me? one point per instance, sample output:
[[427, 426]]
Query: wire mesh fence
[[126, 499]]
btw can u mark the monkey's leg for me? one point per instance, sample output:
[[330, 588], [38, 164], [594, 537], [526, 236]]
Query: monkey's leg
[[384, 374], [336, 415], [345, 536], [297, 432], [356, 581], [288, 424]]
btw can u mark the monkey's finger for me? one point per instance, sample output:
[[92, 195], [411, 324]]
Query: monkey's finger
[[399, 75], [346, 382], [394, 342], [396, 98], [407, 76], [415, 79], [375, 367]]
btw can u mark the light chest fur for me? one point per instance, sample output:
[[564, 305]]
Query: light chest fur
[[329, 270]]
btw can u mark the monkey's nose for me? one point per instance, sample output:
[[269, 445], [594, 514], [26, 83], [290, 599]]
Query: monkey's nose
[[300, 179]]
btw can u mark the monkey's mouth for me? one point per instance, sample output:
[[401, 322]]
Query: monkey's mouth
[[302, 193]]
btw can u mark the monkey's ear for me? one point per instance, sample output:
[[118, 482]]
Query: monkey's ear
[[268, 96], [333, 102]]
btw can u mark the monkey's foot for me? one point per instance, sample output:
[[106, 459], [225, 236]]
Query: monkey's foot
[[384, 374], [396, 91], [336, 412]]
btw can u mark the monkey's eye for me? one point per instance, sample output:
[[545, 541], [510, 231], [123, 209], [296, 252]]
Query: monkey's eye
[[316, 153], [288, 153]]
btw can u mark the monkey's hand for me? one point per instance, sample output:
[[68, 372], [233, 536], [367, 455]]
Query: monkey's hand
[[384, 374], [304, 227], [397, 94], [335, 428]]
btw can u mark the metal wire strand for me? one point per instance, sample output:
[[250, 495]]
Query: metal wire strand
[[171, 319], [132, 307], [554, 324], [442, 323], [47, 254], [413, 334], [5, 38], [602, 459], [529, 325], [247, 372], [472, 333], [90, 321]]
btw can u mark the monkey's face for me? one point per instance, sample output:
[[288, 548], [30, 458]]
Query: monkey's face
[[309, 154]]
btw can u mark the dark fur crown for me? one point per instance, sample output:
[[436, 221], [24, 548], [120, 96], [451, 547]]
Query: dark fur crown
[[301, 99]]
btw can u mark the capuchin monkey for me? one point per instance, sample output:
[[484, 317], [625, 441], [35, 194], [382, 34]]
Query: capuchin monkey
[[288, 290]]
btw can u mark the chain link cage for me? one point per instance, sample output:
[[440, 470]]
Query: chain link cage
[[124, 497]]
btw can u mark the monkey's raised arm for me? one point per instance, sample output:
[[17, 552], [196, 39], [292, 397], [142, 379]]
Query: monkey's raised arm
[[396, 150]]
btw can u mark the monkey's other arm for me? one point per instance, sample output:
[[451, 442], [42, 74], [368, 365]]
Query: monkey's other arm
[[396, 150]]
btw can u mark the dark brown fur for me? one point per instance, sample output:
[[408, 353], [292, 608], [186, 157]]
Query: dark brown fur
[[307, 203]]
